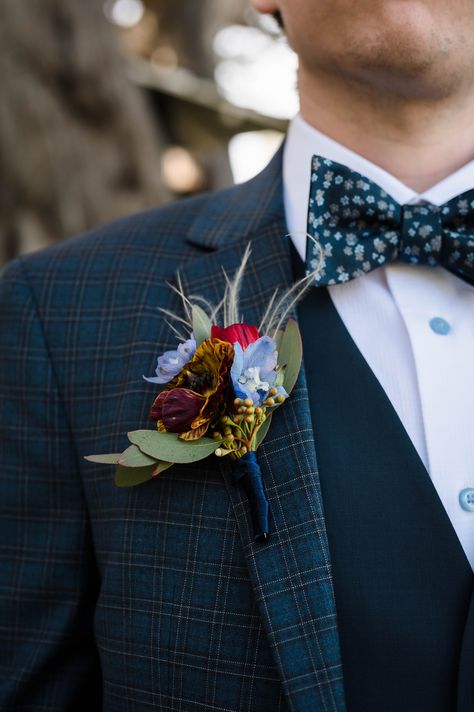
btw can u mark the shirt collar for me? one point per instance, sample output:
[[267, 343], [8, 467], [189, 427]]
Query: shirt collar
[[303, 141]]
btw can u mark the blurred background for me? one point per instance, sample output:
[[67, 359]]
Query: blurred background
[[112, 106]]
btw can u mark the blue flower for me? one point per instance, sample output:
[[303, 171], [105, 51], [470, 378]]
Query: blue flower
[[253, 370], [171, 362]]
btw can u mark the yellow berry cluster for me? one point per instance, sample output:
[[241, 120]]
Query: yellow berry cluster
[[237, 433]]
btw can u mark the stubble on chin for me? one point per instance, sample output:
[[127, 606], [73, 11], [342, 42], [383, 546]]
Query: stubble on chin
[[400, 61]]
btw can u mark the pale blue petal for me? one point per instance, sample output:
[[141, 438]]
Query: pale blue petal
[[236, 371], [262, 353], [187, 349], [157, 379], [170, 363]]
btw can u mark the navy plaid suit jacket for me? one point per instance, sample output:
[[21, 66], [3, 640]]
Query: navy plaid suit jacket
[[154, 596]]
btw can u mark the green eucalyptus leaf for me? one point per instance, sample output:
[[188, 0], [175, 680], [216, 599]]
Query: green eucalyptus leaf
[[201, 324], [107, 459], [280, 377], [278, 338], [262, 431], [134, 457], [161, 467], [290, 354], [131, 476], [168, 447]]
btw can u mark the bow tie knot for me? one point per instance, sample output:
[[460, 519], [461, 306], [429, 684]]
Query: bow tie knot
[[355, 227]]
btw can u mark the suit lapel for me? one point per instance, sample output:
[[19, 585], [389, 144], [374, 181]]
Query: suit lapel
[[291, 573]]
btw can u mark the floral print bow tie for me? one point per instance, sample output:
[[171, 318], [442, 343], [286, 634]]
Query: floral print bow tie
[[354, 227]]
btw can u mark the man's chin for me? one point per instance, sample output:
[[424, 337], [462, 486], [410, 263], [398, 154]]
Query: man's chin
[[404, 58], [409, 82]]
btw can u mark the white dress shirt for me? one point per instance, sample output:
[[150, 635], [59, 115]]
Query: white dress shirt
[[398, 316]]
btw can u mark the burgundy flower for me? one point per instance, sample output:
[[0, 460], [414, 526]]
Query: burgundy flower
[[177, 409], [243, 334], [196, 397]]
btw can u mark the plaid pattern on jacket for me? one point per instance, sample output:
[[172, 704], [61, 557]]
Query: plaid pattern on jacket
[[154, 597]]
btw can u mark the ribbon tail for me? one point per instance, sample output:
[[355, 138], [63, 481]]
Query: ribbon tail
[[249, 474]]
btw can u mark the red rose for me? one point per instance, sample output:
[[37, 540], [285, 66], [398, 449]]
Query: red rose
[[244, 334]]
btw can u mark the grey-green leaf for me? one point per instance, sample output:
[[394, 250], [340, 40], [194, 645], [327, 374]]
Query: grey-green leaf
[[107, 459], [134, 457], [280, 377], [201, 324], [168, 447], [278, 337], [161, 467], [262, 431], [132, 476], [290, 354]]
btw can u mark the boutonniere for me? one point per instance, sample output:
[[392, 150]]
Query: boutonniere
[[220, 389]]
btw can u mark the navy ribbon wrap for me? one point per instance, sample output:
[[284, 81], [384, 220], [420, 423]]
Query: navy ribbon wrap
[[249, 474]]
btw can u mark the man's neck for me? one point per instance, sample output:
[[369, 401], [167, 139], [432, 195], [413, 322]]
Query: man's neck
[[418, 142]]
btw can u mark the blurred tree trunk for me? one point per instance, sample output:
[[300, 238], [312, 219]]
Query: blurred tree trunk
[[78, 145], [183, 31], [189, 27]]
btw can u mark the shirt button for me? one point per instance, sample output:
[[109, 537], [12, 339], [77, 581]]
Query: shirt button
[[440, 325], [466, 499]]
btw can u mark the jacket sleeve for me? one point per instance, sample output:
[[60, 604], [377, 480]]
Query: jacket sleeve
[[48, 577]]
